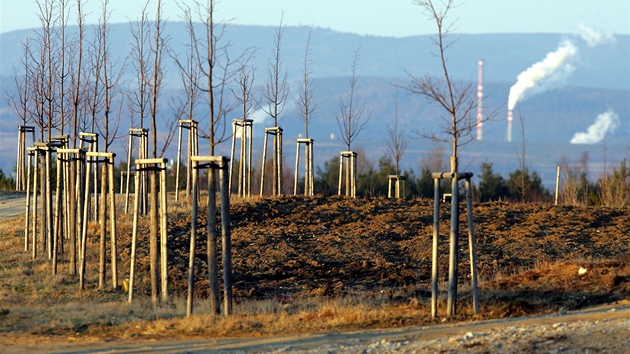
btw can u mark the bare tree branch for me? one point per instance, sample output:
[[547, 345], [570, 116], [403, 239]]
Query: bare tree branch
[[305, 99], [350, 117]]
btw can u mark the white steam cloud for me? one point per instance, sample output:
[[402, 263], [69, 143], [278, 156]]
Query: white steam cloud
[[604, 123], [546, 74], [593, 37]]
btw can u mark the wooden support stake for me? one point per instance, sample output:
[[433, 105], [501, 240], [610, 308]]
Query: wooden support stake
[[154, 166], [453, 259], [276, 132], [35, 211], [163, 234], [242, 129], [212, 163], [30, 159], [347, 159], [193, 240], [112, 220], [83, 241], [472, 247], [211, 246], [308, 166], [226, 241], [454, 240], [134, 237], [58, 216], [192, 149], [436, 242]]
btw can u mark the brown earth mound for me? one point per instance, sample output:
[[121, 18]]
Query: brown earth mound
[[529, 255]]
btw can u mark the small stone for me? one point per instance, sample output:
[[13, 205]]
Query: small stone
[[562, 311], [469, 336]]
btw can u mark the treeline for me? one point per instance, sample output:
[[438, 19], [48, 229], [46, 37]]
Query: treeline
[[521, 185], [7, 183], [612, 189]]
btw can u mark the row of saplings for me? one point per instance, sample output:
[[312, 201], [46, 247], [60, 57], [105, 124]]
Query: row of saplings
[[66, 218]]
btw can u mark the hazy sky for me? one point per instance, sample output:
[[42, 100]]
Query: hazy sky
[[374, 17]]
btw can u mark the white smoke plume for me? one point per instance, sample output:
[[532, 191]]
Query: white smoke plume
[[594, 37], [546, 74], [604, 123]]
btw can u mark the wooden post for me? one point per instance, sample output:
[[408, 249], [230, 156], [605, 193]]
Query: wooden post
[[59, 214], [86, 207], [557, 186], [394, 185], [56, 142], [179, 157], [134, 237], [153, 165], [35, 211], [347, 159], [30, 158], [21, 177], [311, 170], [354, 176], [129, 153], [453, 259], [454, 240], [107, 178], [77, 199], [192, 149], [19, 164], [112, 220], [212, 163], [226, 240], [163, 233], [297, 165], [472, 247], [102, 250], [193, 238], [276, 132], [211, 244], [436, 242], [308, 166], [47, 202], [143, 151], [92, 140], [244, 128], [278, 140], [341, 161], [65, 159]]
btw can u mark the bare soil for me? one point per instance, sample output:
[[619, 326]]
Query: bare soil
[[529, 255]]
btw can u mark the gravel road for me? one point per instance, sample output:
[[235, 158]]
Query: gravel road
[[12, 205], [599, 330]]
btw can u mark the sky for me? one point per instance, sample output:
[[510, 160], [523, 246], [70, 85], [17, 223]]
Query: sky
[[396, 18]]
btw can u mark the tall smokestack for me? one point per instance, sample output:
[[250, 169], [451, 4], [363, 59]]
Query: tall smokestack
[[480, 100], [509, 129]]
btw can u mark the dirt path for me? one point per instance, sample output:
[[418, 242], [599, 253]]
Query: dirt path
[[11, 205], [601, 329]]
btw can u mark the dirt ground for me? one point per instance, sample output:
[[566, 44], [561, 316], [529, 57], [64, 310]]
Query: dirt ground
[[533, 259], [299, 246]]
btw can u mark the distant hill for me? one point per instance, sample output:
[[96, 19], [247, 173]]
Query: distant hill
[[601, 81], [505, 55]]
